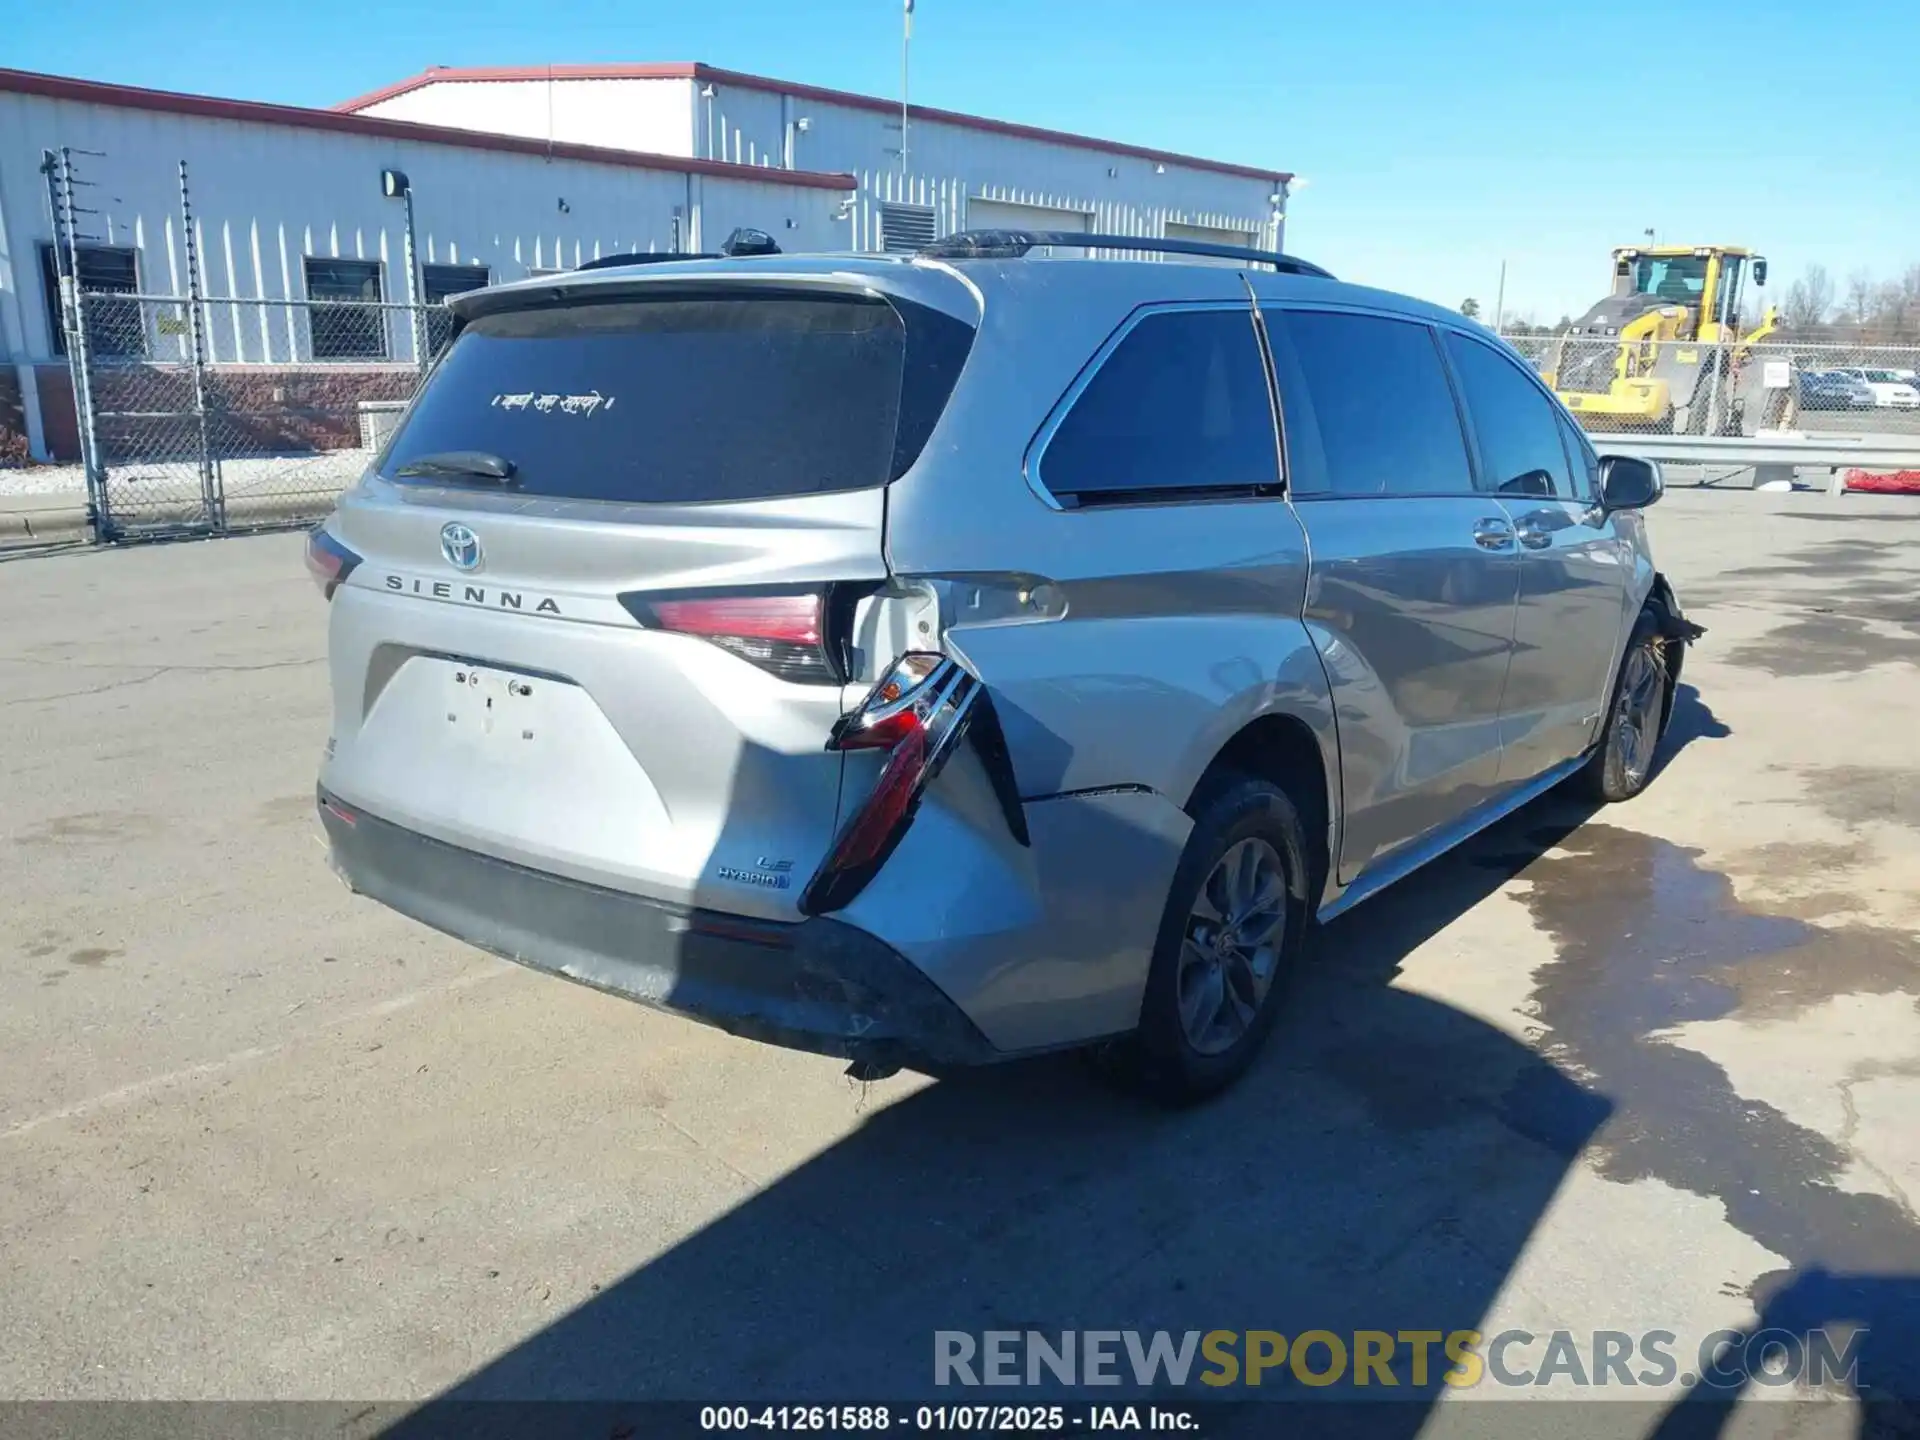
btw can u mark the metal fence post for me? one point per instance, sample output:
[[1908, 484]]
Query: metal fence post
[[210, 494], [58, 168], [416, 322]]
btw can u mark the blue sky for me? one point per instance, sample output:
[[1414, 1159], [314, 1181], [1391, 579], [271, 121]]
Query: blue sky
[[1436, 139]]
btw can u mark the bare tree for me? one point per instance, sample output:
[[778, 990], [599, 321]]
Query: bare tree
[[1470, 308], [1907, 321], [1857, 308], [1887, 312], [1808, 299]]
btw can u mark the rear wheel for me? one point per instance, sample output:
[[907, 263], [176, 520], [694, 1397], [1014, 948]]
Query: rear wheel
[[1234, 924], [1623, 764]]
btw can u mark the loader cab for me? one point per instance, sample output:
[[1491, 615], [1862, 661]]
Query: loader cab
[[1706, 279]]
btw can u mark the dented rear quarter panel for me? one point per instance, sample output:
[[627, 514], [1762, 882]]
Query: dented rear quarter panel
[[1177, 625]]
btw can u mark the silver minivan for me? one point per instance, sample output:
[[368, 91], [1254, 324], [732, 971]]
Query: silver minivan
[[930, 660]]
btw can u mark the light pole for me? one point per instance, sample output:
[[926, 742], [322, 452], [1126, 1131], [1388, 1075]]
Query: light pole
[[395, 185], [906, 38]]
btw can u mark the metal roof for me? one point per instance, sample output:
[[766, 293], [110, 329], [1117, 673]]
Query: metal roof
[[708, 74], [210, 107]]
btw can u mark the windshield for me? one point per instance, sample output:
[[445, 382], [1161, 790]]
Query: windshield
[[720, 397], [1681, 279], [1881, 377]]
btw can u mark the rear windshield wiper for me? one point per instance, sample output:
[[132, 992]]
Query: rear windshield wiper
[[469, 464]]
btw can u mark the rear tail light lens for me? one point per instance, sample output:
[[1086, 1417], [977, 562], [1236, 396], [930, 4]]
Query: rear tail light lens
[[784, 632], [328, 562], [918, 714]]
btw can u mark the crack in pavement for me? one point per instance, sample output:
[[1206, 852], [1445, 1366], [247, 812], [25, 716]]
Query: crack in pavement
[[152, 674]]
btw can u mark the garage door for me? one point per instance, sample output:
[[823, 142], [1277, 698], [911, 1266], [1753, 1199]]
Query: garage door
[[1213, 235], [1005, 215]]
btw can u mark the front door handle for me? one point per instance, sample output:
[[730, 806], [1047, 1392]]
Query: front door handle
[[1534, 536], [1493, 534]]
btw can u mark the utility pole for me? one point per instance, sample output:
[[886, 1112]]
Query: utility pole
[[906, 38], [1500, 299]]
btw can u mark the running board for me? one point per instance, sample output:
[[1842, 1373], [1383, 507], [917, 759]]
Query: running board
[[1403, 863]]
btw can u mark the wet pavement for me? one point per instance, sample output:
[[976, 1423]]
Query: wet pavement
[[1652, 1067]]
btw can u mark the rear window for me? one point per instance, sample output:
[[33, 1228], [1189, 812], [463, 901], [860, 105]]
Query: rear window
[[691, 399]]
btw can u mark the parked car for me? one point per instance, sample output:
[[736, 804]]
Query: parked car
[[932, 661], [1889, 390], [1833, 390]]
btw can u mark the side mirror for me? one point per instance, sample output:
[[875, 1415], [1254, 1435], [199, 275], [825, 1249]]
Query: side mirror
[[1759, 270], [1629, 483]]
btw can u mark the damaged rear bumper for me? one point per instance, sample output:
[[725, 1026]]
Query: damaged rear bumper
[[820, 985]]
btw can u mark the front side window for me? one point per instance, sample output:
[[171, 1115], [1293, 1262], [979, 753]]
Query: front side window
[[1178, 411], [1586, 464], [1367, 406], [1518, 427], [345, 319]]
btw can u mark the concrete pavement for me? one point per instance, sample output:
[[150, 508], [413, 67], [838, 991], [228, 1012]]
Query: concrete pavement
[[1650, 1068]]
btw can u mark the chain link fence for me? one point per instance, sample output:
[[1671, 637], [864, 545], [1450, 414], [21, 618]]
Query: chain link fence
[[205, 415], [180, 436], [208, 415], [1687, 387]]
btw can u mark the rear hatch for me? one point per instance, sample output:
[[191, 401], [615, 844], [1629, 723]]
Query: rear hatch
[[600, 592]]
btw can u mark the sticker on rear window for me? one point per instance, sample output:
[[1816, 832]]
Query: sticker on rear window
[[567, 404]]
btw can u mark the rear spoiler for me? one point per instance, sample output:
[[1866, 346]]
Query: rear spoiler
[[933, 286]]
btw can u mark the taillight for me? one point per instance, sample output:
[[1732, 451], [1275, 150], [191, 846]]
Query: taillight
[[918, 713], [328, 561], [783, 632]]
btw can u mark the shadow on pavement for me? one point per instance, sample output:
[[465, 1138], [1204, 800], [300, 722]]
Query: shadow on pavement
[[1382, 1168]]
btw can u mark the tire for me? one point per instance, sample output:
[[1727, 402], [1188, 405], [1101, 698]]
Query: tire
[[1255, 823], [1637, 712]]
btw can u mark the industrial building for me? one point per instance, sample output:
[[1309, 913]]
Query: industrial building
[[938, 172], [512, 172]]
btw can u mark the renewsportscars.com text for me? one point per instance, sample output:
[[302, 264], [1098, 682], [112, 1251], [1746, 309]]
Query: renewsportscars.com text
[[1461, 1359]]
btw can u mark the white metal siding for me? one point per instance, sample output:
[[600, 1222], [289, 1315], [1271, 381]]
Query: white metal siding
[[650, 115], [266, 195], [1125, 194], [947, 163], [1002, 215], [1212, 235]]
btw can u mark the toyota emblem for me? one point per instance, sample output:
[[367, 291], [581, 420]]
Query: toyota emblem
[[461, 546]]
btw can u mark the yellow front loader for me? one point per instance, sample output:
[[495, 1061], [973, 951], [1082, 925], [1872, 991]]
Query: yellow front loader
[[1663, 352]]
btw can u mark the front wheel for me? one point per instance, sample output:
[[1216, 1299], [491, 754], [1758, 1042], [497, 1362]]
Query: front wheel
[[1233, 927], [1623, 764]]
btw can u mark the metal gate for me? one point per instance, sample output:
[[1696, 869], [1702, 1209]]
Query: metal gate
[[206, 415]]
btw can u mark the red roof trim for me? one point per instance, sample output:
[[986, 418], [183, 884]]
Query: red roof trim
[[208, 107], [683, 70]]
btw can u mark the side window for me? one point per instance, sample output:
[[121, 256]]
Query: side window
[[1179, 410], [1367, 406], [1586, 464], [340, 325], [1518, 427], [114, 327]]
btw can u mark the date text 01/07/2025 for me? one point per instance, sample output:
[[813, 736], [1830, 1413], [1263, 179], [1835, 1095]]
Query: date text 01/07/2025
[[977, 1419]]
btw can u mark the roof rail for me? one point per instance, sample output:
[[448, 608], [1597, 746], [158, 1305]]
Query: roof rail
[[1013, 244]]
